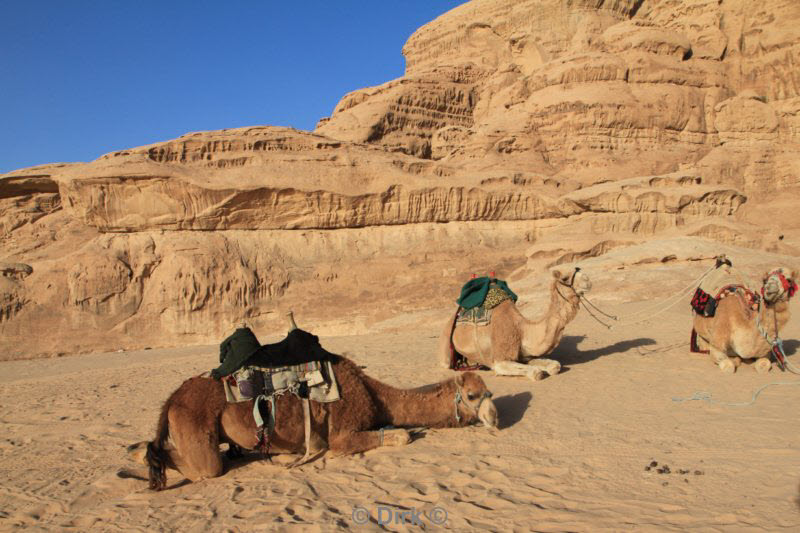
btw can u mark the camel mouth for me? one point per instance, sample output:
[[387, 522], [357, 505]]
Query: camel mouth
[[487, 414]]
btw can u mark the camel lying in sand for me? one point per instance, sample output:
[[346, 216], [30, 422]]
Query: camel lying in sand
[[510, 342], [736, 332], [196, 419]]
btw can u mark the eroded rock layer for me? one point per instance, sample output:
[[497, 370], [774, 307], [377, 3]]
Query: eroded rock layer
[[523, 135]]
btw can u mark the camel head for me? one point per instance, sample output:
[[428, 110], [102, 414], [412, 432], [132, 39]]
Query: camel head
[[475, 402], [779, 284], [576, 279]]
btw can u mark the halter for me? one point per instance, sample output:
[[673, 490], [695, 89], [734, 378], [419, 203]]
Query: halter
[[459, 398], [572, 279], [788, 285], [570, 284]]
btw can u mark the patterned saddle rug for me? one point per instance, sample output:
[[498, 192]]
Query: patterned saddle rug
[[314, 380], [482, 314], [706, 305]]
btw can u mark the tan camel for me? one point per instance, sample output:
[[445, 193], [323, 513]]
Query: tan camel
[[510, 342], [737, 332], [196, 419]]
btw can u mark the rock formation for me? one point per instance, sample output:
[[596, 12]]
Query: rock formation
[[522, 130]]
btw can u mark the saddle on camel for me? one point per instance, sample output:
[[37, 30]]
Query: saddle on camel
[[489, 331], [297, 365], [479, 296], [293, 397], [733, 322]]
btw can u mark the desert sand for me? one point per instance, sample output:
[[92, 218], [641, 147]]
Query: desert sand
[[571, 452], [635, 139]]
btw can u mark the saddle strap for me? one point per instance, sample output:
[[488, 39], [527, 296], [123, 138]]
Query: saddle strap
[[307, 426]]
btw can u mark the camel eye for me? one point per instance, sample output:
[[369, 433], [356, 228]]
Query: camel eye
[[471, 396]]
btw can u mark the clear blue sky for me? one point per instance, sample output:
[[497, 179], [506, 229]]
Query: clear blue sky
[[82, 78]]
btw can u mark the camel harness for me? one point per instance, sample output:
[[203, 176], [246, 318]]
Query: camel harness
[[459, 398]]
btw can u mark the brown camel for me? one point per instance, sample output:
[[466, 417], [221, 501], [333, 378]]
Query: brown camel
[[510, 342], [737, 332], [196, 419]]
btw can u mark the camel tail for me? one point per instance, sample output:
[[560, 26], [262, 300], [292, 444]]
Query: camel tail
[[156, 456], [444, 351]]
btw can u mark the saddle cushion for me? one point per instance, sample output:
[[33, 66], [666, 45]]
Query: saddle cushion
[[474, 292]]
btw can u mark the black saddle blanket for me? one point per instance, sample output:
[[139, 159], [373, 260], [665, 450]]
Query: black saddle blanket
[[299, 347]]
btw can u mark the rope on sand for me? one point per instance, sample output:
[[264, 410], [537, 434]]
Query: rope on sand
[[706, 396]]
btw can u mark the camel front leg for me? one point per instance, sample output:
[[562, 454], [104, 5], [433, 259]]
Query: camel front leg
[[725, 363], [361, 441], [511, 368], [551, 366]]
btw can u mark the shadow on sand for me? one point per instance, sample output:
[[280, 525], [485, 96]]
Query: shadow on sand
[[512, 408], [791, 346], [567, 352]]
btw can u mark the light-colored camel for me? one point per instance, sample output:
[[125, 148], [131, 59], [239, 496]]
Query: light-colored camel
[[196, 419], [736, 332], [510, 343]]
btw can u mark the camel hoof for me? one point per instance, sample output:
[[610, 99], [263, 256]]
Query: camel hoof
[[763, 366], [396, 437], [553, 368], [727, 366], [537, 375]]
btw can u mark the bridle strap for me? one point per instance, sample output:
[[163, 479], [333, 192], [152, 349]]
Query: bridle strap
[[572, 279], [459, 398]]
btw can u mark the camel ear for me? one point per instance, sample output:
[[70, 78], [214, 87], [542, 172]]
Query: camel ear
[[459, 379], [556, 274]]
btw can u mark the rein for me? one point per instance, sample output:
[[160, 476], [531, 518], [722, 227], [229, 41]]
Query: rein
[[662, 306], [582, 300]]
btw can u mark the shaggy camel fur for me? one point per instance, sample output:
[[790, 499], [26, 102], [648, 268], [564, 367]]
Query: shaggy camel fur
[[732, 334], [510, 339], [196, 419]]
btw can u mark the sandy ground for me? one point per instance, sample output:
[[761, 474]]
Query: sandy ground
[[571, 452]]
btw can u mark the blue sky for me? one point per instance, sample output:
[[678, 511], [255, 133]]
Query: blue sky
[[81, 78]]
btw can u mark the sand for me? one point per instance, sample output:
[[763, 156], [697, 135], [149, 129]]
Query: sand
[[571, 452]]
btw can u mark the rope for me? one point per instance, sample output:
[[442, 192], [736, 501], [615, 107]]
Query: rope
[[675, 299], [706, 396], [662, 349], [581, 300]]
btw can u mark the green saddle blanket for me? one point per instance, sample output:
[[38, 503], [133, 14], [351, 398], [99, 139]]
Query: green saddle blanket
[[482, 314], [476, 291]]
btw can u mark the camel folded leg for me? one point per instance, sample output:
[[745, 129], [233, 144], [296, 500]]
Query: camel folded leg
[[511, 368], [361, 441], [551, 366], [725, 363]]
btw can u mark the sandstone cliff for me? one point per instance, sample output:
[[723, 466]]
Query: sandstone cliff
[[524, 133]]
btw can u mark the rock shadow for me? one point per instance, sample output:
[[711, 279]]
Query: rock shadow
[[568, 354], [511, 408]]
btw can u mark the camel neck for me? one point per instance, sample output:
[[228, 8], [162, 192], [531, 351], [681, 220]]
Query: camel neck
[[774, 317], [563, 308], [428, 406]]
